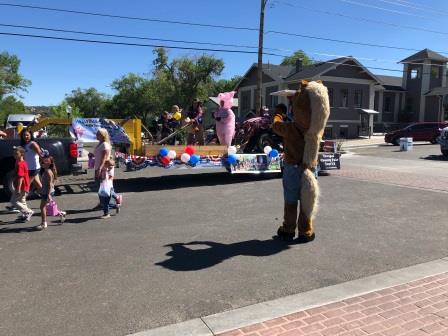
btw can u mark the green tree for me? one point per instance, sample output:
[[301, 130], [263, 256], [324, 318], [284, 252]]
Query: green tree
[[225, 85], [10, 105], [299, 54], [136, 96], [186, 78], [90, 102], [11, 81], [60, 111]]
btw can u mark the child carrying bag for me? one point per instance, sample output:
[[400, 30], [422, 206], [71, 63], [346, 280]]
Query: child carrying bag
[[53, 210], [105, 187]]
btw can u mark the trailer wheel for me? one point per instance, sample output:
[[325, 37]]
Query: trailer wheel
[[445, 153]]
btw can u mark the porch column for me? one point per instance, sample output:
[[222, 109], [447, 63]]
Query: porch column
[[371, 97], [396, 106], [380, 105]]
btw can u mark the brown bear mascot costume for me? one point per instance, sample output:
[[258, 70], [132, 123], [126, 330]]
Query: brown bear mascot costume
[[301, 139]]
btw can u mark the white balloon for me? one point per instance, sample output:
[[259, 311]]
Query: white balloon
[[267, 150], [172, 154], [231, 150], [185, 157]]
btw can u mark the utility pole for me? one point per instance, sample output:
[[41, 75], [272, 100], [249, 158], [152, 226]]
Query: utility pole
[[260, 59]]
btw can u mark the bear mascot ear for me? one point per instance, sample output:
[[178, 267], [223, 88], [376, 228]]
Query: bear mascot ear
[[303, 83]]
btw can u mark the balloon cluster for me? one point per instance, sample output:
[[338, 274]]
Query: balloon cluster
[[189, 156], [271, 152], [231, 155], [166, 156]]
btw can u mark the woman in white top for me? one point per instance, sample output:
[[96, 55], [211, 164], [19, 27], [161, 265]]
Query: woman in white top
[[102, 154], [32, 155], [102, 151]]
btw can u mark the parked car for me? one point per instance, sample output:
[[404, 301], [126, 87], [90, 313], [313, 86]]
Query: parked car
[[425, 131], [64, 151]]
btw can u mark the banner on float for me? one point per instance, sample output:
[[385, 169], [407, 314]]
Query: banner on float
[[256, 164], [85, 129]]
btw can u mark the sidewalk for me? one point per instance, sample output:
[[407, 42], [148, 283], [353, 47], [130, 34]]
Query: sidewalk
[[416, 308], [411, 301], [375, 140]]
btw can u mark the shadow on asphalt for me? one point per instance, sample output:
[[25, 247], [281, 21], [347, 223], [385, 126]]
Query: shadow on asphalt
[[435, 158], [186, 259], [170, 182], [17, 230]]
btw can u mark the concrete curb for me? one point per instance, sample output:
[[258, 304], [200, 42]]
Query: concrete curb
[[218, 323]]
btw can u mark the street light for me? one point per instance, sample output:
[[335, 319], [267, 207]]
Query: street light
[[68, 109]]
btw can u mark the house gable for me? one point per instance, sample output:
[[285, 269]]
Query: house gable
[[350, 69], [250, 78]]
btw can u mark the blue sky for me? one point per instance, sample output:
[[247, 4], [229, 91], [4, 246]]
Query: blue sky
[[57, 67]]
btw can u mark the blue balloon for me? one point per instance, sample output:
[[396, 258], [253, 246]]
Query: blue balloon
[[232, 159], [163, 152], [194, 159], [273, 153]]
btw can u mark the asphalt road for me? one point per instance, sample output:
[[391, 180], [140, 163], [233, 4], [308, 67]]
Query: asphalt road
[[186, 246]]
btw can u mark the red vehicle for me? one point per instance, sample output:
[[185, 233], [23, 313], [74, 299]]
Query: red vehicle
[[425, 131]]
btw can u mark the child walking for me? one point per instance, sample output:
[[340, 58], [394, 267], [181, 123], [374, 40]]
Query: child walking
[[106, 191], [49, 176], [22, 185]]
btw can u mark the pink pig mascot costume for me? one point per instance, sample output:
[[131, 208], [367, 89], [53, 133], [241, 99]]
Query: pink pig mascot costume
[[225, 119]]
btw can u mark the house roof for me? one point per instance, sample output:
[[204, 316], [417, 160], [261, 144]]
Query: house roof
[[315, 69], [322, 67], [391, 83], [425, 54], [276, 72], [438, 91]]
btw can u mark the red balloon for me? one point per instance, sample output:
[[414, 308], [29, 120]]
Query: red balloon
[[189, 150], [165, 160]]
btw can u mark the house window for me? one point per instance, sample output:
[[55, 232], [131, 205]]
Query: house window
[[271, 101], [435, 72], [330, 96], [344, 98], [409, 104], [388, 104], [328, 133], [415, 73], [245, 101], [343, 131], [358, 98]]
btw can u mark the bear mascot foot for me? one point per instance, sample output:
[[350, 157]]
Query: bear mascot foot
[[285, 236], [303, 239]]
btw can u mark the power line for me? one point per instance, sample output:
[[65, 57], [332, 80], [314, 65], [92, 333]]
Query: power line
[[177, 47], [192, 42], [362, 4], [136, 44], [247, 28], [416, 6], [347, 42], [127, 17], [372, 21], [131, 37]]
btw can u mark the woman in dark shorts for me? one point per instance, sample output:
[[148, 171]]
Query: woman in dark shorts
[[32, 155]]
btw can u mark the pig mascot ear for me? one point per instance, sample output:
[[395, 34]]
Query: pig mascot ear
[[227, 97]]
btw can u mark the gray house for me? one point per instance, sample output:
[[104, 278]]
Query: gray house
[[358, 97]]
